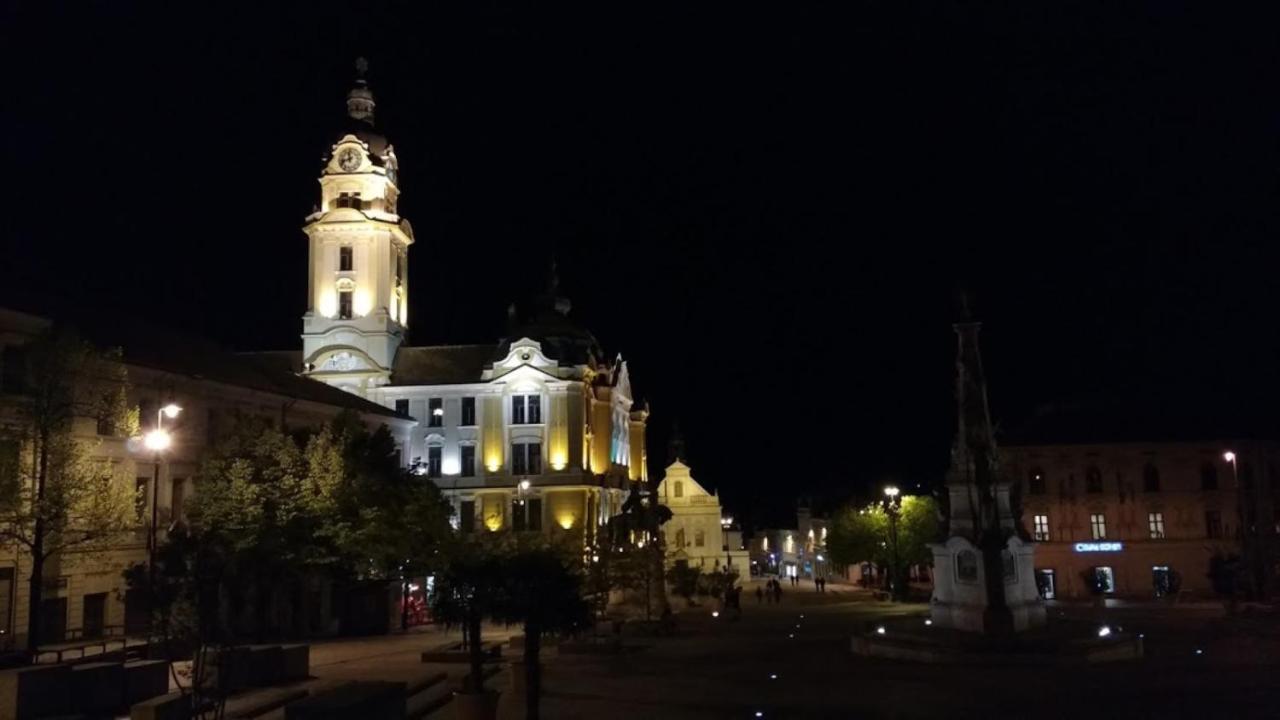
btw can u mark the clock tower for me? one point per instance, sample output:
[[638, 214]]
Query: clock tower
[[358, 285]]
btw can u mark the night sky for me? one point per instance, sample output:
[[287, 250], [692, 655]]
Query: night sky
[[768, 211]]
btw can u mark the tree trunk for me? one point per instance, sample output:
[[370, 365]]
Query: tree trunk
[[532, 669], [475, 681], [36, 588]]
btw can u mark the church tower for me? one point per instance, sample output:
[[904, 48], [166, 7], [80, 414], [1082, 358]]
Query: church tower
[[358, 286]]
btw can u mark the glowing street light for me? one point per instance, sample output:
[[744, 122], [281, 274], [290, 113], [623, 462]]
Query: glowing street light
[[1230, 457], [892, 507], [157, 440]]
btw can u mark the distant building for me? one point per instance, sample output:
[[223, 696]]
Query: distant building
[[696, 532], [1144, 515], [799, 552]]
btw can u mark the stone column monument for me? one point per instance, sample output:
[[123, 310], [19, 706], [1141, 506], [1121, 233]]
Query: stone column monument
[[984, 573]]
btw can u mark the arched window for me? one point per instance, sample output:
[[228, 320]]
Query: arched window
[[1150, 478], [967, 566], [1208, 476], [1093, 480], [1035, 481]]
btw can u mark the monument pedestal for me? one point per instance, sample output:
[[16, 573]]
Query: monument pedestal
[[960, 593]]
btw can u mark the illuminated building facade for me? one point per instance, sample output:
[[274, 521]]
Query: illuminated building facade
[[536, 432], [696, 533], [1146, 516], [799, 552]]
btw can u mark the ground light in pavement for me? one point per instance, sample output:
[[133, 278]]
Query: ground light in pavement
[[1104, 631]]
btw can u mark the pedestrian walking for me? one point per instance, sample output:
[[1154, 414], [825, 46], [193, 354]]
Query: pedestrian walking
[[759, 595], [777, 592]]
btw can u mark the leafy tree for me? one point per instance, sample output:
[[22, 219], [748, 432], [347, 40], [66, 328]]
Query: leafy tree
[[276, 510], [58, 498], [543, 590], [468, 591], [862, 534], [684, 580]]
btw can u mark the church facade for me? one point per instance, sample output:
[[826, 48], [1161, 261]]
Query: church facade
[[538, 431]]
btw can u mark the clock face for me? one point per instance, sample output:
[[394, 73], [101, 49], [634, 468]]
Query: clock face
[[349, 159]]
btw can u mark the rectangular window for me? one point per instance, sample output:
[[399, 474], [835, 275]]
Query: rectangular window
[[344, 305], [518, 516], [1098, 524], [10, 459], [526, 458], [142, 496], [468, 412], [535, 458], [402, 406], [1041, 528], [177, 498], [1212, 524], [467, 516], [1035, 483], [399, 269], [1155, 525], [526, 409], [13, 370], [349, 200], [534, 506], [106, 425], [344, 258], [435, 412], [433, 461], [468, 460]]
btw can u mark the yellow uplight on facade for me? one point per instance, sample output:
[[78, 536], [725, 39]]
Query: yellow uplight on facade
[[362, 303], [493, 522], [559, 460], [566, 520], [492, 466], [328, 303]]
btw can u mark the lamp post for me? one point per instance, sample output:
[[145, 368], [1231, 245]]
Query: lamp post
[[892, 507], [157, 441]]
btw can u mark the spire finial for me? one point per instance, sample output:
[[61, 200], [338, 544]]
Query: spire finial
[[360, 100], [675, 451]]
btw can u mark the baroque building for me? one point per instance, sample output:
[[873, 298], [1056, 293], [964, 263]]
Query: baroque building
[[538, 431], [697, 533]]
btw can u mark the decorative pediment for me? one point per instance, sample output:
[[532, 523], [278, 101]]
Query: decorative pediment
[[344, 360], [524, 355]]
